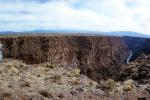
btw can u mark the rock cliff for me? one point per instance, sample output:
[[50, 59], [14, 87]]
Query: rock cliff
[[138, 46], [97, 56]]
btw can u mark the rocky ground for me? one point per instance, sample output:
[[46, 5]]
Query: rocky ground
[[138, 70], [19, 81]]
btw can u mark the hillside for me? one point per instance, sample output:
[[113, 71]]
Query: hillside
[[19, 81]]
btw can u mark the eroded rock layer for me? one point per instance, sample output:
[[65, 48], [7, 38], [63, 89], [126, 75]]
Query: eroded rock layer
[[98, 57]]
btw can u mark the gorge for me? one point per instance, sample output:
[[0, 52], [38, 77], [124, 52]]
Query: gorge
[[62, 67], [129, 57], [98, 57]]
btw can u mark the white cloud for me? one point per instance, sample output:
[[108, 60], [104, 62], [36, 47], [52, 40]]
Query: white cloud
[[95, 15]]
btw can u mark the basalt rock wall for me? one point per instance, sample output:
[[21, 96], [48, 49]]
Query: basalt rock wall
[[138, 46], [98, 57]]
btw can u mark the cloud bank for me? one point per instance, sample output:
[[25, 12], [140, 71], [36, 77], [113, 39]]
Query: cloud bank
[[92, 15]]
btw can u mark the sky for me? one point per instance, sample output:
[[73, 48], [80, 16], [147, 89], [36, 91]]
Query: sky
[[90, 15]]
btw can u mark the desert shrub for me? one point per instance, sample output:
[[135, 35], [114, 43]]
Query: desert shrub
[[38, 75], [122, 76], [91, 83], [51, 66], [73, 92], [74, 72], [45, 93], [76, 82], [56, 78], [61, 95], [128, 86], [25, 84], [108, 85]]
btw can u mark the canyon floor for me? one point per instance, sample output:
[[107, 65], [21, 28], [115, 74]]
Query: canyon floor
[[19, 81]]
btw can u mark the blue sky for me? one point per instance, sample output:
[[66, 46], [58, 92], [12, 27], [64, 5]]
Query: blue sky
[[92, 15]]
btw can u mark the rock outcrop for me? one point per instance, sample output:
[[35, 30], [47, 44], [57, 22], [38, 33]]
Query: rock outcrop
[[138, 70], [97, 56]]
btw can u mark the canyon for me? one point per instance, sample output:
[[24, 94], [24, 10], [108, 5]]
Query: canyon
[[75, 67], [98, 57]]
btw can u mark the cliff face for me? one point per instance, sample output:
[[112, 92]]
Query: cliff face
[[138, 46], [97, 57], [146, 47]]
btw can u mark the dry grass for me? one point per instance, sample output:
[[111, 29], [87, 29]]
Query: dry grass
[[74, 73], [108, 85], [128, 86]]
